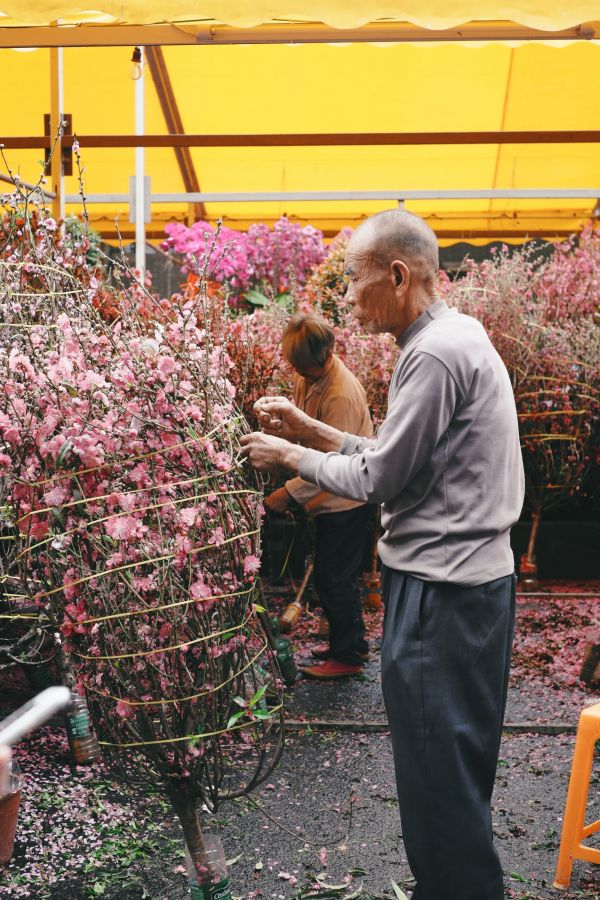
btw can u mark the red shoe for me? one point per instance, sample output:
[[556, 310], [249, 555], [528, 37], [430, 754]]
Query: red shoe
[[331, 669], [323, 652]]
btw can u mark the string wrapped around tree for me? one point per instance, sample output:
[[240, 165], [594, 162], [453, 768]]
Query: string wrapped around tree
[[138, 531]]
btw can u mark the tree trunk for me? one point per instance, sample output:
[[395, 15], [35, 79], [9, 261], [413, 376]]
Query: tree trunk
[[535, 526], [185, 808], [528, 573]]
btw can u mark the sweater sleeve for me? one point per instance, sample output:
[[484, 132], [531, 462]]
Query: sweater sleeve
[[419, 414]]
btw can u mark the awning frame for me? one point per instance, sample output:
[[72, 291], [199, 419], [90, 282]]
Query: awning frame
[[194, 33]]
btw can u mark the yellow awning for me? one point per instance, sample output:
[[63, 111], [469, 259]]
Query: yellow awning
[[542, 14], [332, 89]]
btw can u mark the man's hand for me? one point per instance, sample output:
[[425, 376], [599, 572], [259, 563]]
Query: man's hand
[[268, 454], [282, 418], [278, 501], [277, 416]]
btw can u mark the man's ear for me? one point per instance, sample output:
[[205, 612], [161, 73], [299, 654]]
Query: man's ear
[[399, 272]]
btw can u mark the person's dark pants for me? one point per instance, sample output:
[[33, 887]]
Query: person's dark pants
[[339, 545], [445, 661]]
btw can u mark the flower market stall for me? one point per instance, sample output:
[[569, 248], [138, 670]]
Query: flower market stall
[[244, 143]]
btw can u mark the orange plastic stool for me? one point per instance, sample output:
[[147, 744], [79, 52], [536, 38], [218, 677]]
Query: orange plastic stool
[[574, 829]]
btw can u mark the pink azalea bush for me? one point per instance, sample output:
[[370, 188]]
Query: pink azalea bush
[[570, 281], [138, 528], [539, 316], [270, 261]]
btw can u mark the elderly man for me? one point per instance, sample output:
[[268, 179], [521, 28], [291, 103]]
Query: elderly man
[[446, 467]]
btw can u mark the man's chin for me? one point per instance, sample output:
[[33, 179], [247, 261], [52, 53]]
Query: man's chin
[[372, 327]]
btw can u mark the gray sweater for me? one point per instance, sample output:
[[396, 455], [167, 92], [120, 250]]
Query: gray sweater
[[446, 463]]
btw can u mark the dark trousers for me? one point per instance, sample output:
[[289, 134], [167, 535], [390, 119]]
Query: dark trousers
[[445, 660], [339, 545]]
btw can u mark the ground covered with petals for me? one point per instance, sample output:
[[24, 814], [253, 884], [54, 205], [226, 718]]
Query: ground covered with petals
[[326, 824]]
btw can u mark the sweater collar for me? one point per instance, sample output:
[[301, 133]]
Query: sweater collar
[[432, 312]]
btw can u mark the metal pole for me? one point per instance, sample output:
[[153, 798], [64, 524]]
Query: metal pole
[[140, 225], [56, 117]]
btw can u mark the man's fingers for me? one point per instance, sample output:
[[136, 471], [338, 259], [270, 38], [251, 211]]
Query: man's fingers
[[245, 442], [264, 402], [270, 423]]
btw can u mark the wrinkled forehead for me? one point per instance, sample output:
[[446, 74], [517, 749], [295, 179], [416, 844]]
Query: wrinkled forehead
[[361, 247]]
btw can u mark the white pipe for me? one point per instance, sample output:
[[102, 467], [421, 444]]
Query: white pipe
[[493, 193], [140, 225], [33, 714], [56, 118], [267, 197]]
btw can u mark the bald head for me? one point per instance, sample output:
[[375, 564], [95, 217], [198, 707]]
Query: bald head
[[397, 234]]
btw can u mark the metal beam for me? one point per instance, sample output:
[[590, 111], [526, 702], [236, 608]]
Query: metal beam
[[458, 234], [191, 32], [56, 132], [168, 103], [308, 140], [458, 225], [399, 194], [377, 32], [140, 180]]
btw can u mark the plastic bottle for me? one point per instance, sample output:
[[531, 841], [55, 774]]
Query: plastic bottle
[[290, 615], [284, 654], [82, 739], [208, 875]]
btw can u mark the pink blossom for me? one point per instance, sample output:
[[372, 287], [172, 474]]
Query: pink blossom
[[125, 710], [199, 590], [251, 564], [217, 537], [56, 495], [91, 379], [189, 515], [166, 365], [125, 528], [11, 434], [38, 529]]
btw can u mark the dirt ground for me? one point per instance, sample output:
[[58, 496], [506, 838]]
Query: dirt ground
[[326, 824]]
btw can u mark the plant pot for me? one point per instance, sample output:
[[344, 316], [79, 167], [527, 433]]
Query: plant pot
[[528, 575], [9, 811]]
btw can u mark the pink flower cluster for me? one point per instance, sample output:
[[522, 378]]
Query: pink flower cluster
[[540, 316], [138, 529], [267, 260]]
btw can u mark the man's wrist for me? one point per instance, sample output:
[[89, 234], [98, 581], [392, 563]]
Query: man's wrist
[[291, 456], [327, 438]]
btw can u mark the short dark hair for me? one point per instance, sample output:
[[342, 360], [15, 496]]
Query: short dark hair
[[307, 340]]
